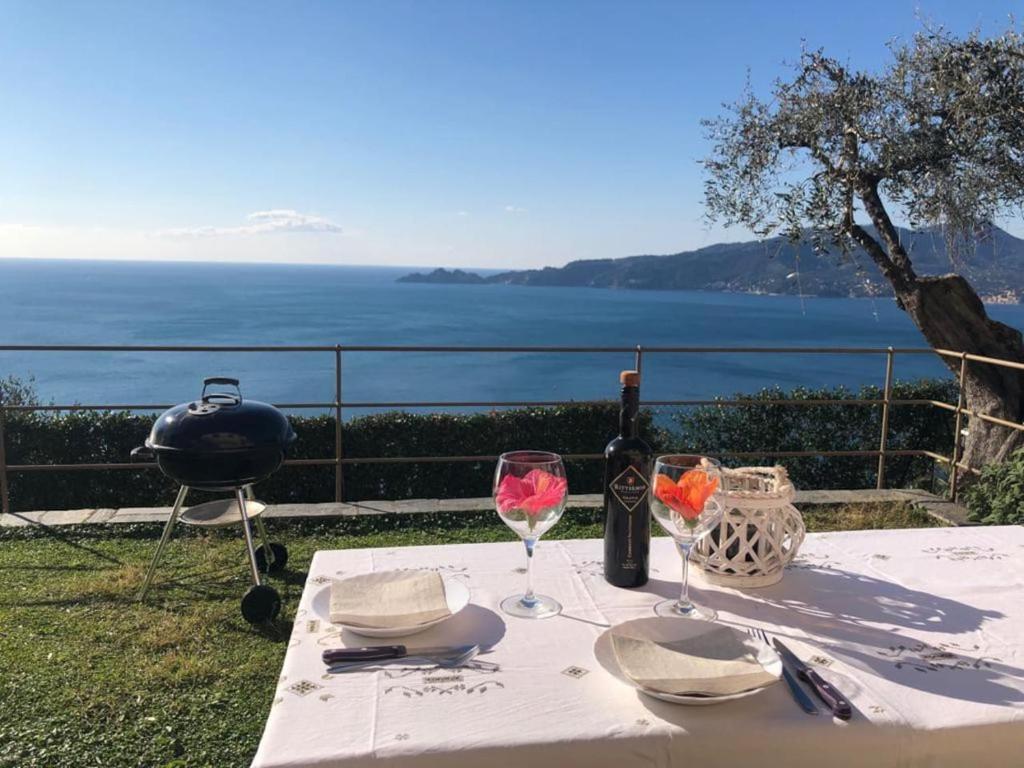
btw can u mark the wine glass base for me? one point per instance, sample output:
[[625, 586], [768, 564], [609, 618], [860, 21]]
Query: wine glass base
[[540, 607], [672, 608]]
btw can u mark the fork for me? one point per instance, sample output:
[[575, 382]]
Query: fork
[[799, 694], [465, 659]]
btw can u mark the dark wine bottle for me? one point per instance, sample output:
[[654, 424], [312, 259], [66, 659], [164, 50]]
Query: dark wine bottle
[[627, 529]]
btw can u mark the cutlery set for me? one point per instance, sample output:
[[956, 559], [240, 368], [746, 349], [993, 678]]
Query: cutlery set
[[339, 660], [795, 670]]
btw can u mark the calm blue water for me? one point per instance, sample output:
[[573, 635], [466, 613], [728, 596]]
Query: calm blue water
[[75, 302]]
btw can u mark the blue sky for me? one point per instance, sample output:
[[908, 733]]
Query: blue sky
[[491, 134]]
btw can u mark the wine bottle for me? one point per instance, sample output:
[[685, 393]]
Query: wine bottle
[[627, 530]]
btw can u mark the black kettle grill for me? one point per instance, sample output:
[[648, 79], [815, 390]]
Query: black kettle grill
[[221, 442]]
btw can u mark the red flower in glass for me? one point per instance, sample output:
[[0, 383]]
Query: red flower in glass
[[536, 491]]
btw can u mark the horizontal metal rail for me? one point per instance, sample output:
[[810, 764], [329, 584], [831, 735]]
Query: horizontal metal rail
[[337, 405], [993, 420], [124, 465], [600, 456], [467, 349], [141, 407], [739, 403], [936, 456], [158, 348], [980, 359], [471, 459]]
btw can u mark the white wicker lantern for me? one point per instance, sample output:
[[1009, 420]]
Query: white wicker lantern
[[759, 533]]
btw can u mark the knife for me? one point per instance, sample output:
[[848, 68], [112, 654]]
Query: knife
[[806, 702], [825, 690], [385, 652]]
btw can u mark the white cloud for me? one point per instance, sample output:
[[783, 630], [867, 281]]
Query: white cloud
[[514, 209], [261, 223], [462, 214], [57, 241]]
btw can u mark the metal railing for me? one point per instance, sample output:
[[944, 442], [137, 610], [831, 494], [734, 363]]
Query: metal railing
[[338, 404]]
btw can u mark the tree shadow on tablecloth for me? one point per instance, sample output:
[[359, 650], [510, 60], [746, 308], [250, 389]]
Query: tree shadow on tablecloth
[[880, 628]]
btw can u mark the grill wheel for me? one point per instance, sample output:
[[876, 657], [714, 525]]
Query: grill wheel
[[261, 604], [278, 557]]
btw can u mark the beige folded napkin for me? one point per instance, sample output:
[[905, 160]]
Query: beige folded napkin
[[389, 599], [711, 660]]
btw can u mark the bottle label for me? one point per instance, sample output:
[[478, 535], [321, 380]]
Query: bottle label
[[630, 488]]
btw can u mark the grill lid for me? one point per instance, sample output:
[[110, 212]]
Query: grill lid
[[220, 422]]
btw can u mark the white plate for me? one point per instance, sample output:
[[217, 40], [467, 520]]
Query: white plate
[[605, 655], [455, 592]]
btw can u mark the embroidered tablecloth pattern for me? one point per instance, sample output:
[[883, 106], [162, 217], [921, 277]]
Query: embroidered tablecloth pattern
[[922, 629]]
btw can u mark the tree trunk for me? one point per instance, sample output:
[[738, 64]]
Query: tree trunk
[[949, 313]]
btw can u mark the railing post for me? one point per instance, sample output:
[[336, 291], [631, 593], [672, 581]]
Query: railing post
[[5, 501], [886, 397], [953, 468], [338, 480], [638, 359]]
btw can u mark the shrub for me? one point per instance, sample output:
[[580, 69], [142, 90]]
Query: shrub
[[997, 497], [99, 437], [758, 425]]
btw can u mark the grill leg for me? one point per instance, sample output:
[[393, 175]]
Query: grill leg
[[240, 497], [267, 549], [268, 553], [168, 528]]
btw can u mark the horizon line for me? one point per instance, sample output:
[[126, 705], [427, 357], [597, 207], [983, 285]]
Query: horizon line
[[435, 265], [265, 263]]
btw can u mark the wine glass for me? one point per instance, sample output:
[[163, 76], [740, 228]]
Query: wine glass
[[530, 490], [683, 502]]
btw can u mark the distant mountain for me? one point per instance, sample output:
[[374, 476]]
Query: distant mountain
[[454, 276], [994, 264]]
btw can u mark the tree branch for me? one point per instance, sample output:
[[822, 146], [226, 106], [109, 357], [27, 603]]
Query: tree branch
[[877, 253], [894, 264], [867, 190], [816, 152]]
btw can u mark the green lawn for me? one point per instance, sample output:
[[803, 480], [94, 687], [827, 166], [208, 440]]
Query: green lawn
[[88, 677]]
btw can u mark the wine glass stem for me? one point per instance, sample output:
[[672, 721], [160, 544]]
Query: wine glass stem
[[684, 596], [528, 597]]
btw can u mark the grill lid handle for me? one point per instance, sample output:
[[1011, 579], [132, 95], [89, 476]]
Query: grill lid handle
[[226, 381], [142, 453]]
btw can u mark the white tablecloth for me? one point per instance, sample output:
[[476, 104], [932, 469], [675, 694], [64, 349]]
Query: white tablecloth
[[922, 629]]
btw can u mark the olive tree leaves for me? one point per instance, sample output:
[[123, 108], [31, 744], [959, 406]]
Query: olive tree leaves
[[937, 136]]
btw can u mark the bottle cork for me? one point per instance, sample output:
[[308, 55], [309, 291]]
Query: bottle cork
[[630, 378]]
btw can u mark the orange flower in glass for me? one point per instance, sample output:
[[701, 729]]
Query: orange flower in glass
[[687, 496]]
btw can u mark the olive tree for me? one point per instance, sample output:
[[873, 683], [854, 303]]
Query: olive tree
[[934, 138]]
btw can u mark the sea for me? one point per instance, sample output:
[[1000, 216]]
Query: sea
[[77, 302]]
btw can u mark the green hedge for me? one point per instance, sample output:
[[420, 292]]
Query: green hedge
[[758, 425], [98, 437]]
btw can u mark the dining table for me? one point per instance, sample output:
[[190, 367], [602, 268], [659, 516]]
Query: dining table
[[922, 630]]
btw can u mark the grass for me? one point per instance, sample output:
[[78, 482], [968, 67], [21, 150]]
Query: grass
[[89, 677]]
